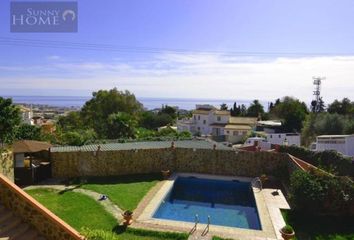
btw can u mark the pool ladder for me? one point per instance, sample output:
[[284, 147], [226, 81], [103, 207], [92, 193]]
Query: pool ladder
[[196, 221], [255, 180], [206, 229]]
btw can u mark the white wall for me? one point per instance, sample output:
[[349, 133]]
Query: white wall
[[223, 119], [350, 146], [279, 138], [344, 145], [202, 122]]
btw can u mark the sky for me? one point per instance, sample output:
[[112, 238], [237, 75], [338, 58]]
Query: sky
[[218, 49]]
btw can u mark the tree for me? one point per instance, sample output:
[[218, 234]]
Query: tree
[[72, 121], [121, 125], [271, 106], [235, 110], [318, 107], [349, 126], [255, 109], [28, 132], [9, 120], [78, 137], [344, 107], [292, 112], [152, 121], [171, 111], [243, 110], [223, 107], [329, 124], [95, 112], [308, 132]]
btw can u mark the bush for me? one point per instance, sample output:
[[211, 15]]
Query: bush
[[329, 160], [288, 229], [321, 194]]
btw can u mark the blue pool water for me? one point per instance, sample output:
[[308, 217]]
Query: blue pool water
[[228, 203]]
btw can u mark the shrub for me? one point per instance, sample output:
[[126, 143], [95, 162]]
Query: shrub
[[328, 160], [287, 229], [321, 194]]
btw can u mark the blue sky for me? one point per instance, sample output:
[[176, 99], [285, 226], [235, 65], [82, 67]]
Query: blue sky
[[301, 39]]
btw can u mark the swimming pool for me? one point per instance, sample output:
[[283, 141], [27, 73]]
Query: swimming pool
[[228, 203]]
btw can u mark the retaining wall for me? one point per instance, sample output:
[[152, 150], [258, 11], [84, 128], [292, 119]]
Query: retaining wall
[[32, 212], [209, 161], [7, 164]]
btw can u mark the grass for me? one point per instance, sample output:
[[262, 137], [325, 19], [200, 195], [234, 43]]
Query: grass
[[125, 191], [75, 208], [90, 218], [121, 233], [320, 228]]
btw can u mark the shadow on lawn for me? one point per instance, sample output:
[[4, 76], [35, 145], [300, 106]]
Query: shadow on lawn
[[115, 179], [119, 229]]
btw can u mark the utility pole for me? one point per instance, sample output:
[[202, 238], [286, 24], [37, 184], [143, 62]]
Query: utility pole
[[317, 92]]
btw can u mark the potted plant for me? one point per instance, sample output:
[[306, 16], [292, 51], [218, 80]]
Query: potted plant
[[166, 173], [263, 178], [127, 216], [287, 232]]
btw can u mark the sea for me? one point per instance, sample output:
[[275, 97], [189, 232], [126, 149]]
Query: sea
[[149, 103]]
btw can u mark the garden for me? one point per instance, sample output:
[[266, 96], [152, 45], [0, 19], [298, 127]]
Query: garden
[[90, 218]]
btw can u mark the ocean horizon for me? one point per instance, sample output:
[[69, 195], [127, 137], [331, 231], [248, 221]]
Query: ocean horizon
[[149, 103]]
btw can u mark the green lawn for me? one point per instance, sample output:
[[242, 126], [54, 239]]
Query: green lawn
[[320, 228], [132, 234], [75, 208], [90, 218], [125, 191]]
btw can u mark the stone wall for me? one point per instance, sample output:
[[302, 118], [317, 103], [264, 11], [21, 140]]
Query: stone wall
[[220, 162], [7, 164], [33, 213]]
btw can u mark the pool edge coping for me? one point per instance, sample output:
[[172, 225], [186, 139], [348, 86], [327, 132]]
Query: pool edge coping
[[145, 216]]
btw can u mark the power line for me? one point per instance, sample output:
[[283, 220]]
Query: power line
[[143, 50]]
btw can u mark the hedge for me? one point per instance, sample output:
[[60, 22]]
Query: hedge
[[321, 194], [329, 160]]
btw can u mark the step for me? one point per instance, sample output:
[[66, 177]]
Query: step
[[30, 234], [7, 226]]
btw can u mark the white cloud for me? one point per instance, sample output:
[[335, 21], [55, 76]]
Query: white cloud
[[200, 76]]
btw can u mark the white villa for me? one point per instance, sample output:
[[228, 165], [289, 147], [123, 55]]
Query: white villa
[[341, 143], [210, 121]]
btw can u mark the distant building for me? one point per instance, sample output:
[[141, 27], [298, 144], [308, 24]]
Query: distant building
[[238, 127], [269, 126], [284, 138], [210, 121], [340, 143], [167, 127], [258, 141], [206, 120], [26, 115]]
